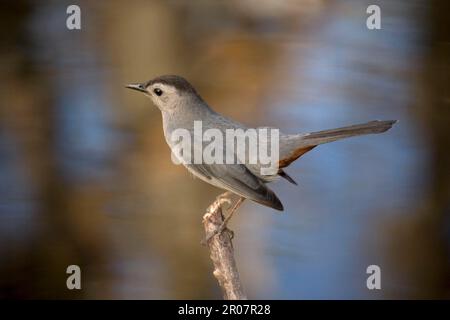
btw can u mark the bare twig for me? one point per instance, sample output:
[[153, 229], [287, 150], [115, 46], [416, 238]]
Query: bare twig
[[222, 252]]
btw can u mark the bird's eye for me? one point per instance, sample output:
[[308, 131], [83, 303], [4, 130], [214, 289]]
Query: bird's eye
[[158, 91]]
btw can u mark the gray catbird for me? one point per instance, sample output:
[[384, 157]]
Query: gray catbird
[[181, 105]]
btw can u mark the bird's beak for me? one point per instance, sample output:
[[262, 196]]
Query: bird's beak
[[137, 86]]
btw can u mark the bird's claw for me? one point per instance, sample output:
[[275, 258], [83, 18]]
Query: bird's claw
[[217, 232]]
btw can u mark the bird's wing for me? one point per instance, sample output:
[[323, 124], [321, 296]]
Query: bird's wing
[[238, 179]]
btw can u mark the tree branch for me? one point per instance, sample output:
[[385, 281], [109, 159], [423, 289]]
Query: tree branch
[[222, 252]]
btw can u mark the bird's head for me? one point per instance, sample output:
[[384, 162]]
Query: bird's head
[[168, 92]]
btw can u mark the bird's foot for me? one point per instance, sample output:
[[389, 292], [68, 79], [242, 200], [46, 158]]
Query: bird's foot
[[218, 231], [221, 201], [223, 225]]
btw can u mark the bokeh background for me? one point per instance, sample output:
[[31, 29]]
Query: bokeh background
[[86, 177]]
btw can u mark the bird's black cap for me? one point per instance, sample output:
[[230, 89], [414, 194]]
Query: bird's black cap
[[180, 83]]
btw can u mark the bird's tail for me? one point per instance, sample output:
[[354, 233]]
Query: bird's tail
[[319, 137], [294, 146]]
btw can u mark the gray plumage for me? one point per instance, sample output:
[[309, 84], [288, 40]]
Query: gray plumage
[[181, 105]]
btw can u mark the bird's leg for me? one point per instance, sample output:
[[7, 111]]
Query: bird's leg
[[223, 226], [228, 217]]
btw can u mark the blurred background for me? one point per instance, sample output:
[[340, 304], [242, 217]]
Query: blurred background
[[86, 177]]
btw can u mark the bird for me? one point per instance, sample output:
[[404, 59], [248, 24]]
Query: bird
[[181, 106]]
